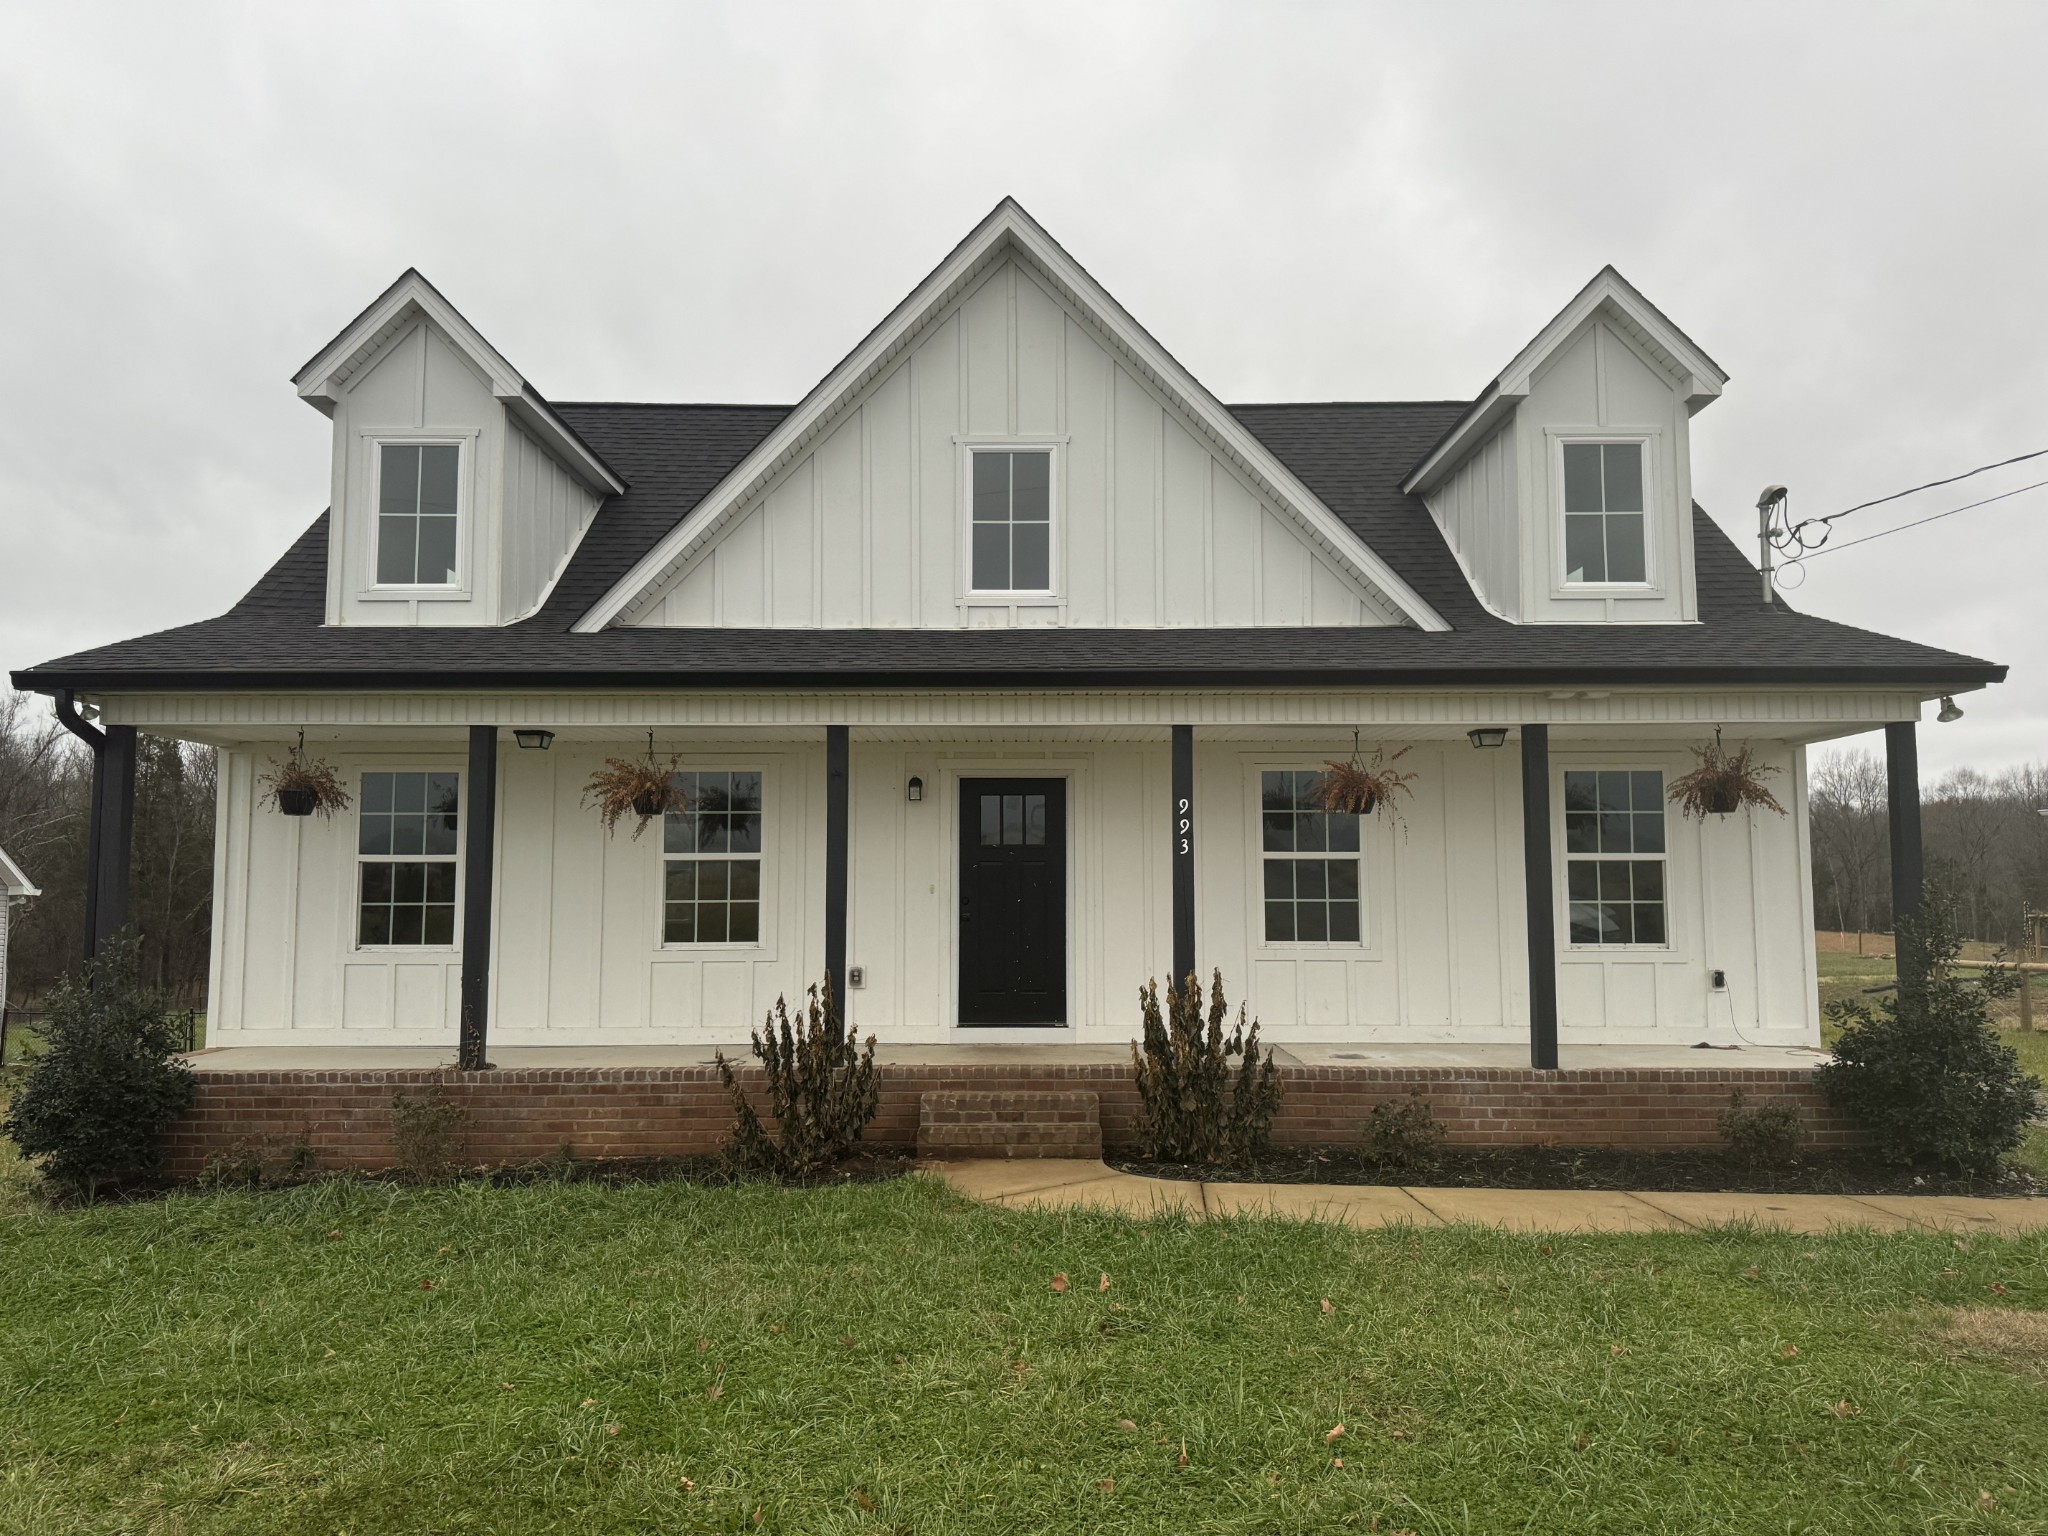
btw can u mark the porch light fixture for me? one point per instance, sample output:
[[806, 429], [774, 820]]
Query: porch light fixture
[[1488, 736], [534, 741], [1950, 710], [914, 790]]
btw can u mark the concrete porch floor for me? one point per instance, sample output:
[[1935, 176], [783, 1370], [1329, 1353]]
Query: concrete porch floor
[[376, 1058]]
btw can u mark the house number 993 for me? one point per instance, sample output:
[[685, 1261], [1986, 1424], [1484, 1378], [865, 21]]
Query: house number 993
[[1185, 826]]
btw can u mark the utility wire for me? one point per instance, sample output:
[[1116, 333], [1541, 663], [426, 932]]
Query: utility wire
[[1834, 549], [1930, 485]]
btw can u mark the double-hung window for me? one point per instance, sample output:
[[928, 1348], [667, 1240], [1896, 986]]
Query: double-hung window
[[1011, 541], [1311, 858], [711, 864], [418, 514], [1614, 856], [1604, 535], [406, 842]]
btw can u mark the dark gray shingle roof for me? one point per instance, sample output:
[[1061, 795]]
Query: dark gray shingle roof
[[1353, 456]]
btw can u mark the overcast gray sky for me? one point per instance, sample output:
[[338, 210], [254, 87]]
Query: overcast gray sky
[[1843, 204]]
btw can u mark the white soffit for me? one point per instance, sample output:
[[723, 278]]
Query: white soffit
[[1009, 229], [1611, 294], [412, 297]]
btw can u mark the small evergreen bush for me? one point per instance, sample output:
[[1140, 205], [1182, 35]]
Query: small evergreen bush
[[1925, 1071], [426, 1134], [1762, 1136], [1193, 1106], [821, 1090], [1403, 1133], [94, 1108]]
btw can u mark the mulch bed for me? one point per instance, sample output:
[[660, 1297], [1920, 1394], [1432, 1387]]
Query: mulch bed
[[1594, 1168]]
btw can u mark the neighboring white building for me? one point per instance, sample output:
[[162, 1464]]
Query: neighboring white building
[[14, 887], [998, 670]]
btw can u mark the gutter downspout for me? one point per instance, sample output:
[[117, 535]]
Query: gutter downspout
[[96, 739]]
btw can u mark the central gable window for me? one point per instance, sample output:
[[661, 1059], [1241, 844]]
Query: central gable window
[[1604, 532], [418, 514], [1010, 547]]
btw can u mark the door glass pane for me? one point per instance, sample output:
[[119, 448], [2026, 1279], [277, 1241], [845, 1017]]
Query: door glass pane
[[1013, 820], [991, 821], [1034, 820]]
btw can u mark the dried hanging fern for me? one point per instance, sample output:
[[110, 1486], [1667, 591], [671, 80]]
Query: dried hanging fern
[[1362, 785], [302, 785], [641, 787], [1722, 784]]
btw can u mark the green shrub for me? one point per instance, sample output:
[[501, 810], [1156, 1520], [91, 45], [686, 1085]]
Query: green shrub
[[1193, 1106], [93, 1109], [1403, 1133], [1925, 1072], [821, 1090], [1763, 1136], [426, 1135]]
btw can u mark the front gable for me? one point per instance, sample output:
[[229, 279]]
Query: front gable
[[1165, 510]]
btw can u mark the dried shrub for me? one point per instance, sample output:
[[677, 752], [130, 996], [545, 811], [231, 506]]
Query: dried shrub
[[302, 785], [1722, 784], [426, 1134], [94, 1108], [1194, 1106], [821, 1090], [267, 1163], [639, 787], [1362, 785], [1403, 1133], [1761, 1136], [1925, 1072]]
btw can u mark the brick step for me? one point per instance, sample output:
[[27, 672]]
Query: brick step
[[953, 1123]]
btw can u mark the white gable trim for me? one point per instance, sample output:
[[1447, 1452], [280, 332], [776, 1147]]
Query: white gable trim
[[1609, 293], [13, 883], [1008, 229], [322, 380]]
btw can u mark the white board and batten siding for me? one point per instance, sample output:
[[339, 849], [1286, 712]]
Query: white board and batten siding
[[1151, 528], [521, 513], [1501, 510], [579, 957]]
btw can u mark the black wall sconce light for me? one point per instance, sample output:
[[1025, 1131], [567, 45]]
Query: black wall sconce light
[[534, 741], [914, 790], [1488, 736]]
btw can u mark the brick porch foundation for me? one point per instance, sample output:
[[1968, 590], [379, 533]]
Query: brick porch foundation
[[523, 1114]]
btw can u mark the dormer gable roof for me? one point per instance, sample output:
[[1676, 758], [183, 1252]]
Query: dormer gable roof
[[1007, 233], [1697, 375], [327, 373]]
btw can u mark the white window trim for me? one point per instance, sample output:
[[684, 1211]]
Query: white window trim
[[1633, 762], [1371, 862], [972, 596], [763, 946], [1653, 512], [463, 438], [357, 858]]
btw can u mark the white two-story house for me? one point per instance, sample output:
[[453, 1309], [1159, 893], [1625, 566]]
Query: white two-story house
[[997, 675]]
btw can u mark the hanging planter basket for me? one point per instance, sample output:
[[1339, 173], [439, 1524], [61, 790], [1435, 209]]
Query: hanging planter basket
[[641, 787], [304, 786], [1723, 783], [1362, 785]]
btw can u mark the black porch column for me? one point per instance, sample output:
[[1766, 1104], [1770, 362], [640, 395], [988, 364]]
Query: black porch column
[[479, 850], [1183, 854], [1541, 888], [1902, 789], [836, 754], [112, 834]]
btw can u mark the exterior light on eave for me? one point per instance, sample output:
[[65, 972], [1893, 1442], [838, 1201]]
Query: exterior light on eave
[[914, 790], [534, 740], [1488, 736], [1950, 710]]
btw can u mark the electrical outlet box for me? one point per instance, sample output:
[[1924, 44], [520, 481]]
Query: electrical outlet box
[[857, 976], [1718, 980]]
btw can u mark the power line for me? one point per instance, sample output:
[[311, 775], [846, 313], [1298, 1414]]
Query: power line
[[2020, 458], [1834, 549]]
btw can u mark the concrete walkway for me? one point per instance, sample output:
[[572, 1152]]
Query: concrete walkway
[[1063, 1184]]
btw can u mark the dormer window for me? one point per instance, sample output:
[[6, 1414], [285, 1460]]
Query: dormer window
[[418, 514], [1010, 543], [1604, 533]]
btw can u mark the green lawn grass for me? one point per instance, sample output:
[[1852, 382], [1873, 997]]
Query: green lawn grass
[[892, 1358]]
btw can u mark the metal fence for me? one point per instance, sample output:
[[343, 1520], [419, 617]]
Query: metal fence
[[21, 1032]]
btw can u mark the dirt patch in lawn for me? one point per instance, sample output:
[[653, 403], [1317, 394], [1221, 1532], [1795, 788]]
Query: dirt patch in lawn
[[1593, 1168], [2013, 1338]]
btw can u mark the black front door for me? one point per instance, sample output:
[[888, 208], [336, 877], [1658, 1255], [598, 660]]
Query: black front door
[[1013, 901]]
